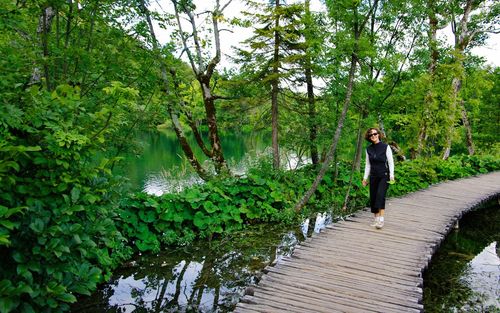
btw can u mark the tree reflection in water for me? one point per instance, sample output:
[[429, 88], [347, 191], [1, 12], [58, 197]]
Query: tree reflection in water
[[206, 277], [464, 273]]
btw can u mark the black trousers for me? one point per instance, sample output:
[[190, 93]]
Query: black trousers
[[378, 189]]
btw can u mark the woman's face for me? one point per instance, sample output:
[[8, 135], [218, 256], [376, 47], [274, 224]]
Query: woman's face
[[374, 136]]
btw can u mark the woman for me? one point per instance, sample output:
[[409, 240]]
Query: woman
[[380, 167]]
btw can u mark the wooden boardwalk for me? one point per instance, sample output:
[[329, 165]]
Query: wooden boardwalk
[[352, 267]]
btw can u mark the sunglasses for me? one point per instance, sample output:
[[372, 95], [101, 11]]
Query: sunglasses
[[372, 134]]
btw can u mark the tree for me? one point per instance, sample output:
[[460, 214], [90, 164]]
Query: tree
[[351, 16], [172, 111], [59, 133], [478, 18], [309, 31], [433, 9], [269, 54], [204, 70]]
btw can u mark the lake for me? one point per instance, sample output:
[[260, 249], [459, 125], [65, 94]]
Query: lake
[[162, 167]]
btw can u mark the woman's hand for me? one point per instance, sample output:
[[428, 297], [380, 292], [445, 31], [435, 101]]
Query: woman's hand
[[364, 182]]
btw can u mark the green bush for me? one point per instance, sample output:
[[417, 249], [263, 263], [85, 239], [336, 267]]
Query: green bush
[[57, 218], [421, 173], [203, 210]]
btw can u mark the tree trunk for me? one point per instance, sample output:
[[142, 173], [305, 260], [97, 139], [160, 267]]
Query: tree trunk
[[213, 133], [359, 142], [178, 287], [355, 166], [43, 30], [429, 98], [456, 86], [381, 125], [186, 148], [468, 129], [462, 40], [274, 92], [313, 126], [191, 121], [335, 140], [69, 20], [204, 75]]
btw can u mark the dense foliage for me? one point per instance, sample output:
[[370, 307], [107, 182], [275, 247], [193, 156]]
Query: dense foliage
[[80, 78], [66, 113], [57, 231]]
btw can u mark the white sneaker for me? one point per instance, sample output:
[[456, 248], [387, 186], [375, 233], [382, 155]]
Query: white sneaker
[[379, 225], [375, 223]]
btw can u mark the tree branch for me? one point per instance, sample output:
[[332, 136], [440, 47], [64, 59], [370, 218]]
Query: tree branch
[[183, 38]]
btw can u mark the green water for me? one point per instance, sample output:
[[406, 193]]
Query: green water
[[161, 166], [464, 275]]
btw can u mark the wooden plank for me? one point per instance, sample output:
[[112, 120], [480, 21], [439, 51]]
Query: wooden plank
[[349, 290], [346, 303], [360, 250], [341, 277], [402, 280], [361, 270], [311, 300], [341, 257]]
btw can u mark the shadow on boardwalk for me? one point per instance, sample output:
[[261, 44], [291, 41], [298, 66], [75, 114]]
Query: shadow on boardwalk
[[352, 267]]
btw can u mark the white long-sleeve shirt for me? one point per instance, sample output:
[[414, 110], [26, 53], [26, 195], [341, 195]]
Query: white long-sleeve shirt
[[390, 162]]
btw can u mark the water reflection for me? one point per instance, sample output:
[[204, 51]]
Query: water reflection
[[207, 277], [483, 277], [162, 167], [163, 182], [320, 221], [464, 275]]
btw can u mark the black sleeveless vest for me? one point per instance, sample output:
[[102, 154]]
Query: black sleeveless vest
[[378, 159]]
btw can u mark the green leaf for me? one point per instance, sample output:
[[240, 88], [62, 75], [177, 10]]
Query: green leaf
[[152, 203], [90, 198], [23, 288], [37, 226], [200, 220], [8, 224], [18, 257], [8, 304], [76, 239], [62, 187], [14, 211], [75, 194], [209, 207], [67, 297], [40, 161], [194, 195], [148, 217], [277, 196], [22, 189], [11, 164]]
